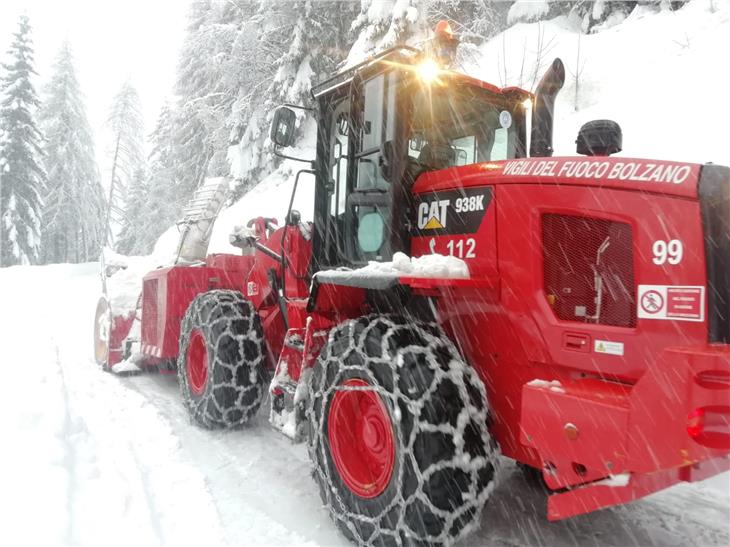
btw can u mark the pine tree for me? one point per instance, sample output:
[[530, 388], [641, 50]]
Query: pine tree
[[204, 91], [129, 240], [22, 179], [385, 24], [154, 201], [165, 200], [127, 156], [473, 20], [73, 215], [291, 46]]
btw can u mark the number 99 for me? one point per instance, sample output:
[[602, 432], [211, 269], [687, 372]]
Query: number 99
[[670, 252]]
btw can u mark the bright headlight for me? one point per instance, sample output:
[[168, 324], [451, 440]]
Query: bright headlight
[[428, 71]]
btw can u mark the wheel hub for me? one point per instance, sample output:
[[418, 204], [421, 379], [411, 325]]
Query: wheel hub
[[361, 439], [197, 361]]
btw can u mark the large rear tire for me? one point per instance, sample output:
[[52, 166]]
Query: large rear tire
[[221, 362], [398, 434]]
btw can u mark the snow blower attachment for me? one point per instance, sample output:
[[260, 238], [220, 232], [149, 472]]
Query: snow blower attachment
[[117, 325], [198, 218], [538, 317]]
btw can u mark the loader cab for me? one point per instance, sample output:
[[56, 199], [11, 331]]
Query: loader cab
[[379, 129]]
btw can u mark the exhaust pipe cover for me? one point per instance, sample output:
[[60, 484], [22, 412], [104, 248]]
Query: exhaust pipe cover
[[541, 143]]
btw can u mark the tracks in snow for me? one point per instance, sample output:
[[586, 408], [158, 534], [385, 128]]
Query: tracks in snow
[[115, 460]]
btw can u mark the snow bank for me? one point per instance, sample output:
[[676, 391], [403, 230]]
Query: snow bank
[[269, 198], [657, 74], [527, 10]]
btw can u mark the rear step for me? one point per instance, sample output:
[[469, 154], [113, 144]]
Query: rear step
[[578, 427]]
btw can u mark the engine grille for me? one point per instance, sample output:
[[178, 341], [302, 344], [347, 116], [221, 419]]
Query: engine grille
[[149, 312], [581, 255]]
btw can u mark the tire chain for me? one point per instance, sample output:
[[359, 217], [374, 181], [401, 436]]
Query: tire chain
[[473, 412], [248, 387]]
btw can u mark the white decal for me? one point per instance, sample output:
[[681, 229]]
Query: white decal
[[466, 205], [591, 169], [432, 215], [608, 347], [252, 289], [505, 119], [667, 251], [462, 248], [432, 245], [669, 302]]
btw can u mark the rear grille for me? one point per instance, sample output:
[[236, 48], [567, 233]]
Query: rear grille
[[149, 312], [714, 193], [581, 255]]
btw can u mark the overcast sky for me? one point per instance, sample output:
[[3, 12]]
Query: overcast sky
[[111, 41]]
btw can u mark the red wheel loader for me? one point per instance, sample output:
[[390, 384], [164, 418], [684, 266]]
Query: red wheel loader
[[570, 313]]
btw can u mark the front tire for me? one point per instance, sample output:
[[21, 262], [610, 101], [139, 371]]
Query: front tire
[[221, 362], [398, 434]]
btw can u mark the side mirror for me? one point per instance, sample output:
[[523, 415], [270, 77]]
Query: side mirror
[[282, 127]]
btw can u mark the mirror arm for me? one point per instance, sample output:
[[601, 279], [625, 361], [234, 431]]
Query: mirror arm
[[296, 182], [284, 156], [299, 107]]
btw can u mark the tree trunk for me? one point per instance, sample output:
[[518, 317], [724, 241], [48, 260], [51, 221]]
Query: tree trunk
[[110, 239]]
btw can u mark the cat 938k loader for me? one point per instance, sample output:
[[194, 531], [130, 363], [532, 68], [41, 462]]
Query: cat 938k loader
[[583, 334]]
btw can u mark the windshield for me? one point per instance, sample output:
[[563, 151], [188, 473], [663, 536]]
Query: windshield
[[459, 125]]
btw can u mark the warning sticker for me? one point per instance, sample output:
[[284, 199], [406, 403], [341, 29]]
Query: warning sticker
[[608, 347], [669, 302]]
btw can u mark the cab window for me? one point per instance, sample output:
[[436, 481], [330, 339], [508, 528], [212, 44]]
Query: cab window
[[460, 126], [377, 126]]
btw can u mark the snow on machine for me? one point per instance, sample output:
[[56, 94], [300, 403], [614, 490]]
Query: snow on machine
[[570, 313]]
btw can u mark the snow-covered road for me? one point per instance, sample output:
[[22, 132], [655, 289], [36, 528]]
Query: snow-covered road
[[91, 458]]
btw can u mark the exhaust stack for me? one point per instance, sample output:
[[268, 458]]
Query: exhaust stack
[[541, 140]]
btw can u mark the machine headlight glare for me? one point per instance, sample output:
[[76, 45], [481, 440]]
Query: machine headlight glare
[[428, 71]]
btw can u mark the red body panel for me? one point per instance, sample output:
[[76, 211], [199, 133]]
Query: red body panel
[[612, 412], [167, 293], [578, 394]]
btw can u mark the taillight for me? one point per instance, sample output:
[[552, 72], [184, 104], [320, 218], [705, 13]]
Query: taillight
[[710, 426], [695, 422]]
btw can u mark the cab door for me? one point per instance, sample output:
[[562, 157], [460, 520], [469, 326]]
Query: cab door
[[358, 193], [368, 229]]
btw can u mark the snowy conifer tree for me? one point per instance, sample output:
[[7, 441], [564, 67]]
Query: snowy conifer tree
[[284, 48], [383, 24], [154, 201], [127, 156], [22, 179], [473, 20], [130, 235], [73, 215], [205, 91]]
